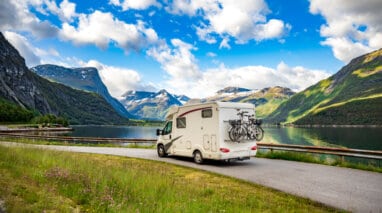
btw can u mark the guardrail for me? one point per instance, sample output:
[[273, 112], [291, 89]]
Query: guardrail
[[80, 139], [370, 154]]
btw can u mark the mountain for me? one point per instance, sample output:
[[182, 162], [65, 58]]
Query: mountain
[[154, 105], [150, 105], [352, 96], [234, 94], [86, 78], [22, 87], [266, 100]]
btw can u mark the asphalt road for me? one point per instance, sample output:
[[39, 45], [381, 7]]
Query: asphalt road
[[349, 189]]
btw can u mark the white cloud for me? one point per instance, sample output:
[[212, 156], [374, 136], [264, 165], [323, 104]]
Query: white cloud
[[252, 77], [211, 54], [225, 43], [178, 62], [66, 11], [15, 16], [26, 50], [135, 4], [101, 28], [185, 77], [118, 80], [243, 20], [352, 28]]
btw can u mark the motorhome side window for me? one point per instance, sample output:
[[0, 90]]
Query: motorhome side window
[[181, 122], [207, 113], [167, 129]]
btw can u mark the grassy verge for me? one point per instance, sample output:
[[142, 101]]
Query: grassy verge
[[35, 180], [368, 165]]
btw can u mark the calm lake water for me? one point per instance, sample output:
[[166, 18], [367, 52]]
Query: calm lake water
[[356, 138]]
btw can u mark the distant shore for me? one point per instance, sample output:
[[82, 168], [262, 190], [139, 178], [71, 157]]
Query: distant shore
[[4, 129]]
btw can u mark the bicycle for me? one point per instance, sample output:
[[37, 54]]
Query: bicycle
[[238, 129], [254, 129], [241, 129]]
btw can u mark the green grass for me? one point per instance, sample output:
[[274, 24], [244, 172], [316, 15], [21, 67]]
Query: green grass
[[35, 180], [370, 165]]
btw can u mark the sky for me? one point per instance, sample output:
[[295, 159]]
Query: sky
[[195, 47]]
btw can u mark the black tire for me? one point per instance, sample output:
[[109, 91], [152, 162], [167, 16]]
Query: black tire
[[259, 133], [161, 151], [198, 157]]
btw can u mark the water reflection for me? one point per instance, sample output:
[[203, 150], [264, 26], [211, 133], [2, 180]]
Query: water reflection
[[356, 138], [114, 132]]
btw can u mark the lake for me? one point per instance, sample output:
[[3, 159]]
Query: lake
[[356, 138]]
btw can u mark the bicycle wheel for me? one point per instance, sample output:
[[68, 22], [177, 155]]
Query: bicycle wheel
[[259, 133], [251, 132], [241, 133], [232, 134], [237, 133]]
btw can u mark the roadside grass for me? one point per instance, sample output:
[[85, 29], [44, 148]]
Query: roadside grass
[[367, 164], [37, 180]]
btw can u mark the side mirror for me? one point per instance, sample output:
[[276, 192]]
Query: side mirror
[[159, 132]]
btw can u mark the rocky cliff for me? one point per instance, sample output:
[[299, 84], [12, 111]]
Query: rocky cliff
[[21, 86]]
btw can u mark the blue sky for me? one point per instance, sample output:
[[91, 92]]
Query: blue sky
[[195, 47]]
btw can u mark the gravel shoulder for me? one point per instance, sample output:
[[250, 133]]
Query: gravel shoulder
[[349, 189]]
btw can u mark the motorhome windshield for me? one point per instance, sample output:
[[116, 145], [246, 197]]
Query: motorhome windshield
[[167, 129]]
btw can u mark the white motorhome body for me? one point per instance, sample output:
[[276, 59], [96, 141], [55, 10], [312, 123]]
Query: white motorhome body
[[201, 131]]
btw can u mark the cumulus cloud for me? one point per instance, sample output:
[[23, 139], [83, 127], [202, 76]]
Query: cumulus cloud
[[66, 11], [101, 28], [15, 16], [118, 80], [185, 76], [252, 77], [134, 4], [178, 61], [242, 20], [352, 28]]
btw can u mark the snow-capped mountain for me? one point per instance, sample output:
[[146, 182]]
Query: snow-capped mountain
[[257, 97], [150, 105], [154, 105], [233, 94]]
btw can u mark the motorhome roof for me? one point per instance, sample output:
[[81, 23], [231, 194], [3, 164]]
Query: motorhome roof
[[219, 104]]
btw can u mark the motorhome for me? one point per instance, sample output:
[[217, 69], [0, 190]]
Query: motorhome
[[202, 131]]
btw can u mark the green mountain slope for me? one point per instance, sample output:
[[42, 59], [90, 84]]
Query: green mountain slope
[[351, 96], [21, 87], [266, 100], [80, 107], [85, 78]]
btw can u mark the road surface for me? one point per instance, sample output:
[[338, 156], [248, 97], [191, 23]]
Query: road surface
[[344, 188]]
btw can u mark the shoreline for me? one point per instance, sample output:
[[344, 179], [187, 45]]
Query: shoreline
[[44, 129]]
